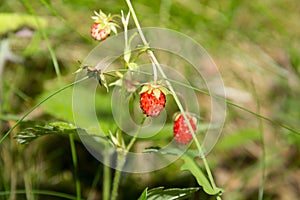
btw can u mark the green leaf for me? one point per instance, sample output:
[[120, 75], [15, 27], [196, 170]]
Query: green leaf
[[168, 194], [143, 195], [190, 165], [28, 134]]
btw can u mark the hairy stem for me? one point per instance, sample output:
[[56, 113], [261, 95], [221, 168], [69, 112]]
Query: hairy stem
[[74, 159], [116, 182], [155, 61], [121, 158]]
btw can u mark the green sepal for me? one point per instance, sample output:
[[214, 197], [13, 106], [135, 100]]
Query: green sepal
[[133, 66], [103, 82], [157, 92], [127, 54]]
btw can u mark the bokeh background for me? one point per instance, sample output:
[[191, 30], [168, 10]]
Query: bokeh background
[[255, 44]]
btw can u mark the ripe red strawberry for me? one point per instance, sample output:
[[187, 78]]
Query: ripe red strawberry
[[182, 133], [103, 25], [152, 99]]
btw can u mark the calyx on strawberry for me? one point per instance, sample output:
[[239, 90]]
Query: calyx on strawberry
[[182, 133], [103, 25], [153, 99]]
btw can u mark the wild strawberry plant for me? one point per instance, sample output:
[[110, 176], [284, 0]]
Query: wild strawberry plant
[[153, 97]]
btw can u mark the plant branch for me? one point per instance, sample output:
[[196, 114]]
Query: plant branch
[[155, 61], [121, 155]]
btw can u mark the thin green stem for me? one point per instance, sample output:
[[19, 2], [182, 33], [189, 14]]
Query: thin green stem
[[37, 105], [74, 158], [228, 102], [52, 9], [136, 21], [154, 72], [97, 177], [262, 139], [120, 154], [51, 51], [106, 181], [106, 175], [133, 139], [116, 182], [138, 26], [121, 160], [263, 117], [155, 61]]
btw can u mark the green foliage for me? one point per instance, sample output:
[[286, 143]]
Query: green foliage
[[240, 34], [143, 195], [167, 194], [190, 164], [33, 132]]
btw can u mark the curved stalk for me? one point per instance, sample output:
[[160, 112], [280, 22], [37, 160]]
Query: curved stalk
[[37, 105], [156, 63], [116, 182], [121, 158]]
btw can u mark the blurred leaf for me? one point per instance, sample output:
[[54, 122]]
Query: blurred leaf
[[31, 133], [143, 195], [167, 194], [238, 139], [19, 21], [190, 165]]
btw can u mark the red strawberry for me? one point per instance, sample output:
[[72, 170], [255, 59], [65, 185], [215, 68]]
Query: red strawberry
[[103, 25], [152, 99], [99, 34], [181, 130]]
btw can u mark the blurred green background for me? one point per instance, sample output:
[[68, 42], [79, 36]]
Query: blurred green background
[[255, 44]]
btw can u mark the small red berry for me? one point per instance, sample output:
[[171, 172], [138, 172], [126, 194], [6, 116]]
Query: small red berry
[[99, 33], [152, 100], [103, 25], [182, 133]]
